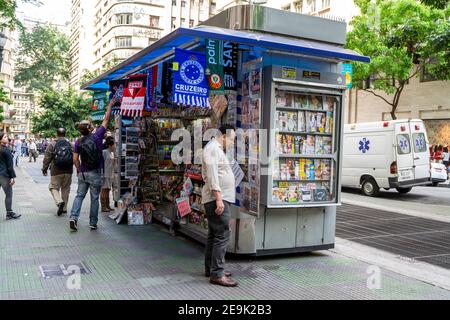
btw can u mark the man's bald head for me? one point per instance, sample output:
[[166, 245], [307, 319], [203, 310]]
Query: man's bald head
[[61, 132]]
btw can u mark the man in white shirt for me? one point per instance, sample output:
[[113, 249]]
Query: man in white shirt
[[33, 150], [218, 193]]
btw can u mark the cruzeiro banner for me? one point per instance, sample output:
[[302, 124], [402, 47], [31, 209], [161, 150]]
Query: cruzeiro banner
[[190, 86]]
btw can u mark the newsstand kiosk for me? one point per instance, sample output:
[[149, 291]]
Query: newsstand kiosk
[[284, 87]]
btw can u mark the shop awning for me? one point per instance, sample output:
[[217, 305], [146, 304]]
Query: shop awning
[[183, 36]]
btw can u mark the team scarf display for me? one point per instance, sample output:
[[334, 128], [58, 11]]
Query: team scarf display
[[116, 88], [134, 96], [152, 89], [190, 85]]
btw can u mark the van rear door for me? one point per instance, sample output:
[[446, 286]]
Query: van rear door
[[405, 161], [421, 155]]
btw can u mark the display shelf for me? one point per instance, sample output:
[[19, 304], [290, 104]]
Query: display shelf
[[168, 142], [301, 156], [307, 180], [198, 210], [301, 109], [304, 133], [194, 231]]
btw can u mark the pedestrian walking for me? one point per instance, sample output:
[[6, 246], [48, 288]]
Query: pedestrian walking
[[59, 159], [88, 160], [218, 193], [7, 175], [24, 152], [108, 173], [32, 150], [17, 151]]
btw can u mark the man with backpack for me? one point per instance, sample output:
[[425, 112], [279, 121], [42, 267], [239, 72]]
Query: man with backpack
[[88, 159], [59, 158]]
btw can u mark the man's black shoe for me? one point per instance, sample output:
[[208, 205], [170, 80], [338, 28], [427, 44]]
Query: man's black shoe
[[61, 208], [73, 225], [93, 227], [12, 215]]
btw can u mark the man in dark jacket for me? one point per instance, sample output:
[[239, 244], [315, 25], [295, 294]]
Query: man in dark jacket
[[59, 158], [7, 175]]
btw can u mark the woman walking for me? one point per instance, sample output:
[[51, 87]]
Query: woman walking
[[7, 175], [108, 173]]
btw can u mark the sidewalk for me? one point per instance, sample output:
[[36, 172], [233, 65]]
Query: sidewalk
[[148, 263]]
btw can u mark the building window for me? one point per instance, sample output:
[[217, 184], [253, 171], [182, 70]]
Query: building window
[[325, 4], [192, 3], [174, 22], [174, 3], [126, 18], [123, 42], [286, 8], [312, 5], [183, 3], [298, 6], [191, 23], [154, 21], [183, 22]]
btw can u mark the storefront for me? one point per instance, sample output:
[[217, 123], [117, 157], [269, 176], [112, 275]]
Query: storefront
[[283, 89]]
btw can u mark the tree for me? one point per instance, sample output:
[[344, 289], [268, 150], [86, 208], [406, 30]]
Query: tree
[[440, 4], [401, 37], [43, 58], [60, 109], [90, 75], [4, 98], [8, 13]]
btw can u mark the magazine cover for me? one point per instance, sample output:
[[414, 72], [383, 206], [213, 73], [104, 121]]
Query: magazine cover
[[327, 145], [318, 169], [311, 122], [246, 85], [310, 144], [282, 120], [316, 103], [319, 145], [293, 196], [255, 112], [279, 143], [280, 99], [255, 83], [301, 121], [292, 121], [326, 169], [254, 200], [321, 120], [329, 123], [330, 104], [301, 101], [302, 169], [276, 169]]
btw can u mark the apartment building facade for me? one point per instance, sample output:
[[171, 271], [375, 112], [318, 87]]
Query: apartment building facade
[[120, 28]]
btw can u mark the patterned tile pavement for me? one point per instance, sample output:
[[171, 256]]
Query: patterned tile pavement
[[133, 263]]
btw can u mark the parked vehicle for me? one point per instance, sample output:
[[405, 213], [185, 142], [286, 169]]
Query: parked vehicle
[[388, 154], [438, 173]]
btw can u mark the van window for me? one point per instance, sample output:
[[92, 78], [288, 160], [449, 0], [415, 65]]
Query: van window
[[403, 144], [420, 144]]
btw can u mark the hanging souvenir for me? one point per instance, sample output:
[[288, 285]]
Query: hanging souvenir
[[116, 88], [134, 96], [214, 66]]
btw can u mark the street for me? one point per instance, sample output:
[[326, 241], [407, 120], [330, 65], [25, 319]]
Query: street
[[123, 262]]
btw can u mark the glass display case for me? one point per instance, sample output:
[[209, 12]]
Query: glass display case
[[304, 135]]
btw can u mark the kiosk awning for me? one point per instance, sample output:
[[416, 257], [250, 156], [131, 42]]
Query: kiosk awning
[[183, 36]]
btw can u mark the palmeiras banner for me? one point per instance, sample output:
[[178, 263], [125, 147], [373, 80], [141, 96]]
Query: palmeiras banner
[[134, 96], [116, 88], [190, 86]]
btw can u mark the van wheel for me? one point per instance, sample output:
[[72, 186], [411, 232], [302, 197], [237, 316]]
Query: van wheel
[[370, 188], [404, 190], [435, 184]]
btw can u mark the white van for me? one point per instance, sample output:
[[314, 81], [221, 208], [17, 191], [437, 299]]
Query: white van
[[388, 154]]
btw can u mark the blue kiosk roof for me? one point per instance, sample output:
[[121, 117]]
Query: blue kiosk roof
[[183, 36]]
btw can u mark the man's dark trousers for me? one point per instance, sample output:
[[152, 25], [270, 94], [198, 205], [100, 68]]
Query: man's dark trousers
[[218, 238]]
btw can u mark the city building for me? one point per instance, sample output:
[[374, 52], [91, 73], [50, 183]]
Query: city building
[[7, 43], [105, 32]]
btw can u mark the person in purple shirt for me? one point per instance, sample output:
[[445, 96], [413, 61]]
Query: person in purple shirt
[[88, 160]]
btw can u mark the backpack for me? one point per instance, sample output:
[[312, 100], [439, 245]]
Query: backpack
[[90, 155], [63, 154]]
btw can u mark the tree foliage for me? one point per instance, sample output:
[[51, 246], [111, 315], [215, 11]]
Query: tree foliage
[[60, 109], [8, 13], [4, 98], [440, 4], [43, 58], [401, 37]]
